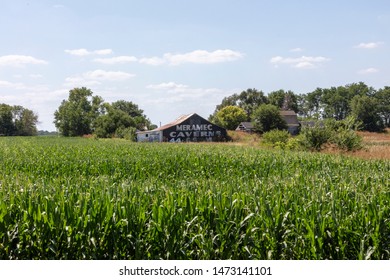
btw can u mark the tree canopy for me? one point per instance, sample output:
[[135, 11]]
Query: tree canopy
[[83, 113], [370, 106], [230, 117], [17, 121], [267, 117]]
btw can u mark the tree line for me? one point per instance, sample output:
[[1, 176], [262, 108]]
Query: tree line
[[85, 113], [369, 106]]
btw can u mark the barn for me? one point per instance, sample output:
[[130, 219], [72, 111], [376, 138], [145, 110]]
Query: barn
[[186, 128]]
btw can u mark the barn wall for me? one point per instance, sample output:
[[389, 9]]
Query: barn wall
[[149, 136], [194, 129]]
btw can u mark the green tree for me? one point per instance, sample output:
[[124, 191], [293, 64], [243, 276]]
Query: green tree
[[25, 121], [107, 125], [336, 101], [7, 126], [230, 117], [366, 110], [132, 110], [120, 119], [312, 106], [383, 98], [17, 121], [75, 116], [302, 106], [280, 97], [267, 117], [226, 101], [250, 99]]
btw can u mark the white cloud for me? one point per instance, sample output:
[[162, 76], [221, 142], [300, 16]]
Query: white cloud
[[19, 60], [35, 76], [197, 57], [23, 87], [80, 81], [155, 61], [203, 57], [78, 52], [370, 70], [296, 50], [303, 62], [371, 45], [6, 84], [85, 52], [107, 75], [170, 86], [174, 92], [95, 77], [103, 52], [116, 60]]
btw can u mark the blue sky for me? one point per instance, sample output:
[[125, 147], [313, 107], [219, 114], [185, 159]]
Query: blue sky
[[177, 57]]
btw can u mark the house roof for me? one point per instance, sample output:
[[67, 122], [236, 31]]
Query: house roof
[[179, 120], [247, 125], [288, 113], [290, 117]]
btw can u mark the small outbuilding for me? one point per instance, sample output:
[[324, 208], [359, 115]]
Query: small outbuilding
[[187, 128]]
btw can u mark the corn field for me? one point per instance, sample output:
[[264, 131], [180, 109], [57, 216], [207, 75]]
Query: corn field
[[68, 198]]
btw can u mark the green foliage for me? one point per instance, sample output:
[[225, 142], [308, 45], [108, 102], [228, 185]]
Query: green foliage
[[341, 133], [106, 125], [7, 126], [275, 136], [294, 144], [347, 140], [267, 117], [230, 117], [344, 134], [75, 198], [368, 105], [315, 137], [74, 117], [281, 99], [366, 109], [17, 121], [383, 102], [248, 100], [84, 114], [281, 139], [128, 133]]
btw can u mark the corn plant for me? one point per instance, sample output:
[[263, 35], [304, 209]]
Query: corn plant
[[73, 198]]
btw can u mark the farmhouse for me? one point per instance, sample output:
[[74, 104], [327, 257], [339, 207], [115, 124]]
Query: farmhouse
[[187, 128], [289, 116], [292, 121]]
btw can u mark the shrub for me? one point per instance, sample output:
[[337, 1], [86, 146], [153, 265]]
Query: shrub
[[276, 136], [295, 144], [341, 133], [128, 133], [315, 137], [347, 140]]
